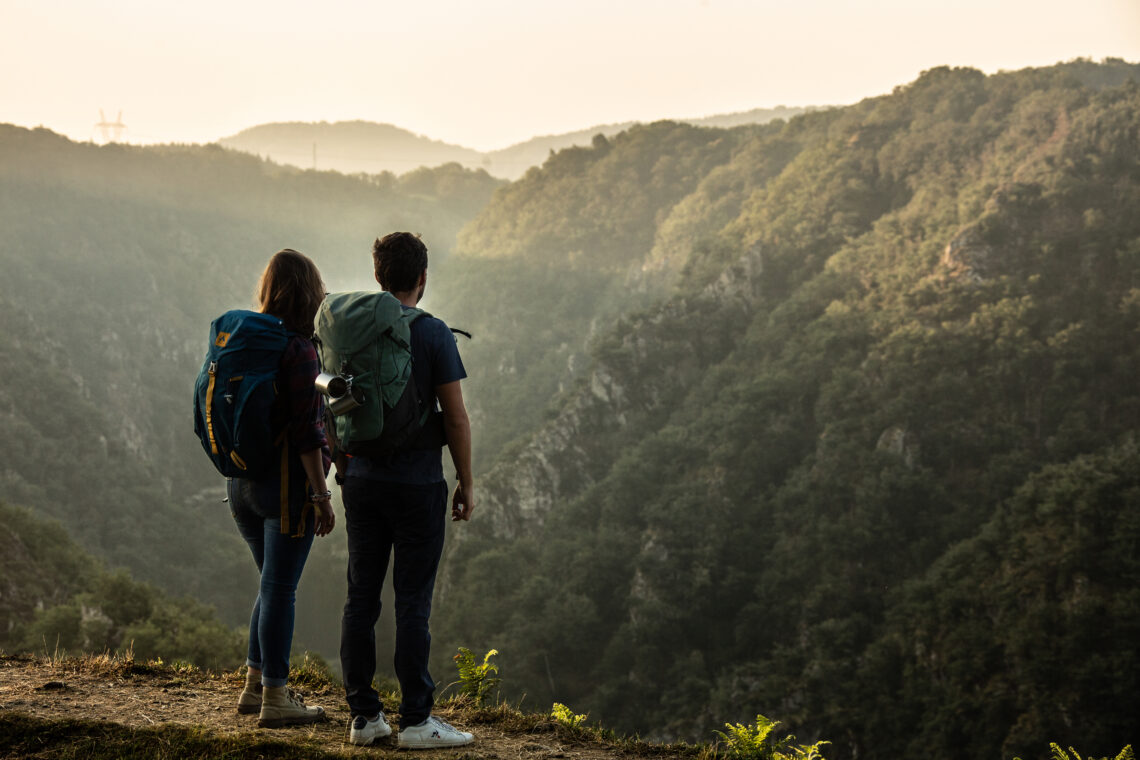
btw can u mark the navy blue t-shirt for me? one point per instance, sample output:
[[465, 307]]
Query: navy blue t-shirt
[[435, 361]]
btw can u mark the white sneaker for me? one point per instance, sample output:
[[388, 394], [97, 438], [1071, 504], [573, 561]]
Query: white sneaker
[[433, 733], [365, 730]]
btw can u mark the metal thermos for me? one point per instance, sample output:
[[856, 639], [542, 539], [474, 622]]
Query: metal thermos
[[333, 386], [342, 396], [353, 398]]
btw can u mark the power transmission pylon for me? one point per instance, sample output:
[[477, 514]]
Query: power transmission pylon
[[112, 130]]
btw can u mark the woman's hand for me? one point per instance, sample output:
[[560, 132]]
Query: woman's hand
[[325, 519], [319, 493]]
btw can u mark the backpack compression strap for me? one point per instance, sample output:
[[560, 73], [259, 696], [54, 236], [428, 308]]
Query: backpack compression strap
[[210, 407], [284, 495]]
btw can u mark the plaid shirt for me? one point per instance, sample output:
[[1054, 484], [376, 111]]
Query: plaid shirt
[[301, 407]]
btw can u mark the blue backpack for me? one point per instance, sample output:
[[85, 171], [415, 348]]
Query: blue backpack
[[235, 391]]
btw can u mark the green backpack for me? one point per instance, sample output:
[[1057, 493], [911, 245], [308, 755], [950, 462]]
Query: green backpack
[[365, 337]]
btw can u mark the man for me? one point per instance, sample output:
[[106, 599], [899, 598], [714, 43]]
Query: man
[[398, 502]]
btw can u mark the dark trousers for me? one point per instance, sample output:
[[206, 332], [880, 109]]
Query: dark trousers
[[381, 517]]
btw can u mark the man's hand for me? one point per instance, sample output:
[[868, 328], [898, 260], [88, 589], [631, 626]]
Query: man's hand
[[463, 501]]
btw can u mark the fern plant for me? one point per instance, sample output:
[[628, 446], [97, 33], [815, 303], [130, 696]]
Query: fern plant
[[1060, 754], [758, 743], [564, 715], [476, 680]]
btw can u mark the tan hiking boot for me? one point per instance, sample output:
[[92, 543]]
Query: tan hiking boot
[[249, 703], [281, 706]]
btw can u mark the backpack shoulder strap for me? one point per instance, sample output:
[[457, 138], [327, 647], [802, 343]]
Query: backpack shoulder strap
[[411, 315]]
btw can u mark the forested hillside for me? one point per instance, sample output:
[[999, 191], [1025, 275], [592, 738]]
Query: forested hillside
[[513, 161], [872, 467], [115, 260], [558, 256], [57, 598]]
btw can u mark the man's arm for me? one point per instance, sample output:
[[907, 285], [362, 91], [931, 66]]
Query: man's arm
[[458, 429]]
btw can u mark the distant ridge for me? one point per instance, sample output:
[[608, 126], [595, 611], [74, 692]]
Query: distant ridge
[[353, 147], [349, 147]]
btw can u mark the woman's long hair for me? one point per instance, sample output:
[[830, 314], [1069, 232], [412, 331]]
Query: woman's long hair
[[291, 289]]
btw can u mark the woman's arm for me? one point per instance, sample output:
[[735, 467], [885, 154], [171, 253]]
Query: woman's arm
[[305, 424], [314, 464]]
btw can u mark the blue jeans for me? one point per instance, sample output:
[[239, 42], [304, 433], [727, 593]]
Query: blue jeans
[[381, 517], [280, 559]]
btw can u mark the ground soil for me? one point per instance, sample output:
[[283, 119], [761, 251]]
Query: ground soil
[[148, 697]]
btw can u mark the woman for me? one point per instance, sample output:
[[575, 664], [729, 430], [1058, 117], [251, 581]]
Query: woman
[[279, 515]]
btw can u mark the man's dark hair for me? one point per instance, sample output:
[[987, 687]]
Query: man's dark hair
[[399, 258]]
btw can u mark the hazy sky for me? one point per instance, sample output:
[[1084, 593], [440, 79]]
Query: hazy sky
[[488, 73]]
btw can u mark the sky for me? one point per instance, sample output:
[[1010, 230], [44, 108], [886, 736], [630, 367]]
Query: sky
[[490, 73]]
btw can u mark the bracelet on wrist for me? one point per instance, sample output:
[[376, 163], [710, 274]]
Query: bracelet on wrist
[[319, 497]]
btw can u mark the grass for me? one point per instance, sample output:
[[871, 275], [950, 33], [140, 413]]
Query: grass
[[310, 671], [25, 736], [511, 719], [117, 665]]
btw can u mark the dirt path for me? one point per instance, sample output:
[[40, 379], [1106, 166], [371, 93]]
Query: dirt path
[[149, 697]]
